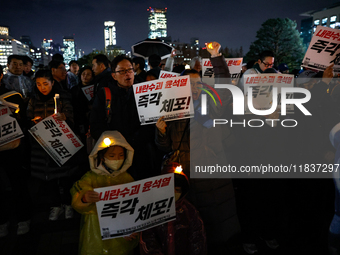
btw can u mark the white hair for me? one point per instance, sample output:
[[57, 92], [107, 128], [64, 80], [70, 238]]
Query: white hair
[[193, 61]]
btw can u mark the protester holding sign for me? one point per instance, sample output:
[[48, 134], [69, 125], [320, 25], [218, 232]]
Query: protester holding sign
[[43, 166], [207, 195], [109, 160], [121, 114], [266, 60]]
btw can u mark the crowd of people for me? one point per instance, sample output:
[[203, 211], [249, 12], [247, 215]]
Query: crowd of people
[[212, 213]]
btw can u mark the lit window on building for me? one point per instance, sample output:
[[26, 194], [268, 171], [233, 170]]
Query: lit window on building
[[324, 22], [317, 22], [332, 21]]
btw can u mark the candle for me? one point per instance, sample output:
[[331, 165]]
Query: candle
[[56, 103]]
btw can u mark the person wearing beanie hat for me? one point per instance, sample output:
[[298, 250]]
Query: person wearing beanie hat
[[186, 234]]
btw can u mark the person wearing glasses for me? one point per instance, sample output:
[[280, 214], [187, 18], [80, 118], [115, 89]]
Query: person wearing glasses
[[266, 60], [59, 74], [122, 116]]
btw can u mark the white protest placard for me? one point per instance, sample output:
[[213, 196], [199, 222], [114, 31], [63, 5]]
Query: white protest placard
[[136, 206], [234, 65], [9, 127], [170, 98], [262, 89], [323, 50], [165, 74], [88, 91], [56, 138]]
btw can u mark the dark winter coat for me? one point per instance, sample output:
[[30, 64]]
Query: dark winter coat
[[42, 165], [102, 80]]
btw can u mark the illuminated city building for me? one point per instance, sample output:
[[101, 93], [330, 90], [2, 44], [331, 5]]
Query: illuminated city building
[[47, 44], [69, 50], [4, 30], [40, 56], [327, 17], [9, 46], [157, 23], [109, 34]]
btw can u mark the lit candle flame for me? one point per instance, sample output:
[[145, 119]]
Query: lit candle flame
[[178, 170], [210, 46], [107, 141]]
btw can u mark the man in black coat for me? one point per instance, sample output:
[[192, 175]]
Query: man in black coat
[[123, 117], [102, 72]]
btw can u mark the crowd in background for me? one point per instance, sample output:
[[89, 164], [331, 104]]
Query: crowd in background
[[218, 212]]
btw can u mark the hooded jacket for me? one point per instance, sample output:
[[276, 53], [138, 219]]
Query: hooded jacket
[[90, 241]]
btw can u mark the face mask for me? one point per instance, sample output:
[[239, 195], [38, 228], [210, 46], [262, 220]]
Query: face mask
[[114, 164]]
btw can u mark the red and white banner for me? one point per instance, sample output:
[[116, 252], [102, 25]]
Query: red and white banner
[[323, 50], [57, 139], [262, 89], [234, 65], [164, 97], [136, 206], [88, 91], [165, 74], [9, 127]]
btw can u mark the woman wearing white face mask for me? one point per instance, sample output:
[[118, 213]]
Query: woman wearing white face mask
[[109, 160]]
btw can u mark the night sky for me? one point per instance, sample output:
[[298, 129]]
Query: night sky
[[232, 23]]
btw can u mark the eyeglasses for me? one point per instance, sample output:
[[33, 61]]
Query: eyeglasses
[[266, 64], [122, 72]]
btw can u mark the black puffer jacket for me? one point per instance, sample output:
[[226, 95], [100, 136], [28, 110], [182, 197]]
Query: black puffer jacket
[[42, 165]]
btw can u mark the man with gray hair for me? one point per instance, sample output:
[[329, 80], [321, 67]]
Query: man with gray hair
[[195, 64]]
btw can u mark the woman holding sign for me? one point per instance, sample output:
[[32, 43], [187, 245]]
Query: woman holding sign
[[56, 179]]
